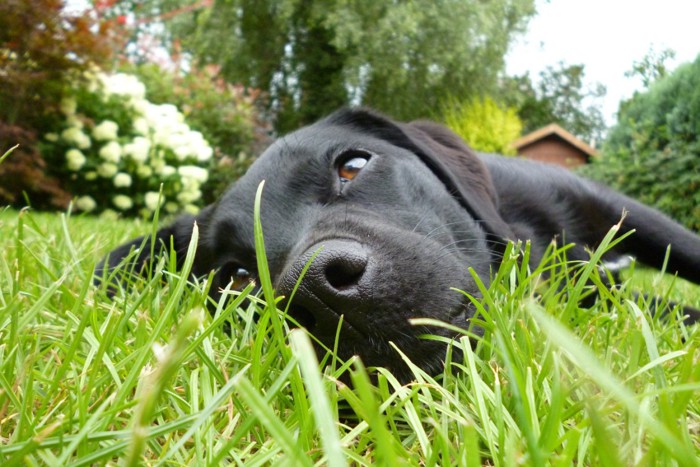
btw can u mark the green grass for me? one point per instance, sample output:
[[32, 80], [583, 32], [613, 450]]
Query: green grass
[[149, 377]]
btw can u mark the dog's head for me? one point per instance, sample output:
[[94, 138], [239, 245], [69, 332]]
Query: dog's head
[[395, 214]]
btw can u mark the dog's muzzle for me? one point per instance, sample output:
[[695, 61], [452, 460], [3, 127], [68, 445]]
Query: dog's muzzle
[[336, 280]]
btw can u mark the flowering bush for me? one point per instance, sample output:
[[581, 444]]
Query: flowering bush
[[228, 115], [115, 148]]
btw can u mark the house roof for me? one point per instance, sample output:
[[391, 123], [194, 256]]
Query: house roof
[[554, 130]]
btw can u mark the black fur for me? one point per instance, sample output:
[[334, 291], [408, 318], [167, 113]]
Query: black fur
[[402, 233]]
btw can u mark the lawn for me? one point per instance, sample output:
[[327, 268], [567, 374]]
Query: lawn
[[150, 377]]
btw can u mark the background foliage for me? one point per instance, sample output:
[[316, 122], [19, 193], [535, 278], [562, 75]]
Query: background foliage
[[45, 51], [115, 149], [313, 56], [653, 153], [560, 96], [228, 116], [41, 50], [487, 126]]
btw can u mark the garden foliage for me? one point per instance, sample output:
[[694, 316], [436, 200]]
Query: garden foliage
[[560, 95], [653, 153], [312, 56], [485, 125], [227, 115], [114, 149], [83, 136], [41, 49]]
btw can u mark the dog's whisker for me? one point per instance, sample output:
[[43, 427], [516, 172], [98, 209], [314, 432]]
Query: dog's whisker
[[420, 221]]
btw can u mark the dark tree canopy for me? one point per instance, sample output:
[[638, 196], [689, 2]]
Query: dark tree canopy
[[560, 96], [312, 56], [653, 153]]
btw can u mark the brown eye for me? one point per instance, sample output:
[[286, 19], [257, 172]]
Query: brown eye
[[238, 276], [351, 167]]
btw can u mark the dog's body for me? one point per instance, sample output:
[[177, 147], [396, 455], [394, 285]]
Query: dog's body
[[396, 214]]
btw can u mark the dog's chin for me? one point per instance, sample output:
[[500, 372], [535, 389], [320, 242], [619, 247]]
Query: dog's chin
[[401, 349]]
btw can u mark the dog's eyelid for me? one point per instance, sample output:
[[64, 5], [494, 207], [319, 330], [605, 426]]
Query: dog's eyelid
[[349, 153]]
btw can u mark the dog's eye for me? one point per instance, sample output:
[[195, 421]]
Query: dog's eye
[[352, 165], [238, 276]]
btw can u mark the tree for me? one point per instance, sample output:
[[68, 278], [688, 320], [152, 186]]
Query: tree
[[558, 97], [42, 49], [652, 67], [653, 153], [313, 56], [485, 125]]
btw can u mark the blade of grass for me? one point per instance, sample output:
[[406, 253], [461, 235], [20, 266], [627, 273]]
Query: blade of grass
[[204, 414], [168, 363], [326, 423], [8, 152], [267, 417], [583, 358]]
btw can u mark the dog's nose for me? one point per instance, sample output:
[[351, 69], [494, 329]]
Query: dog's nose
[[334, 283]]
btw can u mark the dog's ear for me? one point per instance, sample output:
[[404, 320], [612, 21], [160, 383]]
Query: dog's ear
[[139, 255], [458, 167]]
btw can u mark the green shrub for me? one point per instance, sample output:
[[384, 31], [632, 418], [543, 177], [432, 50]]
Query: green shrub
[[653, 153], [484, 124], [114, 148]]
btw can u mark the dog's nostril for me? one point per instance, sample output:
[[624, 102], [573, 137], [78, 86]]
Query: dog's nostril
[[345, 272]]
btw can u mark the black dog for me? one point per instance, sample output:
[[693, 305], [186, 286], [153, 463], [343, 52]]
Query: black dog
[[397, 212]]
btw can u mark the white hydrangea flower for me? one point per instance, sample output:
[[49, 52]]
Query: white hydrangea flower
[[107, 170], [172, 207], [204, 152], [152, 200], [83, 141], [169, 135], [111, 152], [144, 171], [141, 125], [122, 180], [169, 110], [106, 131], [192, 172], [122, 202], [138, 149], [166, 170], [75, 159], [182, 152], [90, 176], [191, 209], [157, 164], [124, 85], [53, 137], [139, 105], [75, 136], [189, 196], [85, 203], [68, 106], [74, 121]]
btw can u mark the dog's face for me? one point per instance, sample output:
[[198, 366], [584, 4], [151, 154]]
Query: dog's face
[[391, 227], [391, 239]]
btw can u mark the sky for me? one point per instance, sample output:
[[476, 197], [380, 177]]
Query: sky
[[607, 36]]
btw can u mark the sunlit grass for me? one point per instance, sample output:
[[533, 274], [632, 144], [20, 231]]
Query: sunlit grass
[[148, 377]]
